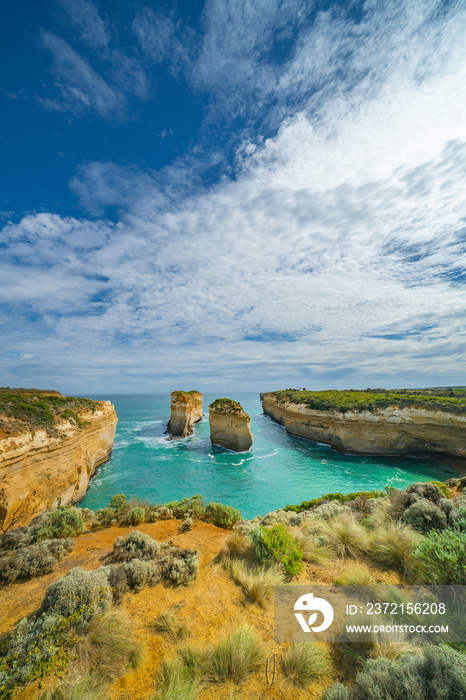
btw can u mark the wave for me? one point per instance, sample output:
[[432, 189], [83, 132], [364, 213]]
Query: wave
[[272, 454]]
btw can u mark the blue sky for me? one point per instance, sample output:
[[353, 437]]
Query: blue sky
[[232, 194]]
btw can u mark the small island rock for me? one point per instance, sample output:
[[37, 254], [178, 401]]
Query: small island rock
[[229, 425], [186, 409]]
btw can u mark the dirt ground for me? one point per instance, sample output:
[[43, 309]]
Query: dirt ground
[[210, 607]]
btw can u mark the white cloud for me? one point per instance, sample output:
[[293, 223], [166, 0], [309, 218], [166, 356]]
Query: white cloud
[[335, 256], [85, 16]]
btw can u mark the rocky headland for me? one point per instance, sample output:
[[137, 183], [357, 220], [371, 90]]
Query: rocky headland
[[229, 425], [375, 422], [186, 409], [50, 447]]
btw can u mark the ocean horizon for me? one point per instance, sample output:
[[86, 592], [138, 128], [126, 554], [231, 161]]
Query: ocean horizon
[[278, 470]]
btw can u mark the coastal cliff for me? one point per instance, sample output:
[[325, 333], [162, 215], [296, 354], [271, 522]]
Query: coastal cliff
[[395, 429], [186, 409], [229, 425], [45, 463]]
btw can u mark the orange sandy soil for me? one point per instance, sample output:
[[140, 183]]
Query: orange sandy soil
[[211, 606]]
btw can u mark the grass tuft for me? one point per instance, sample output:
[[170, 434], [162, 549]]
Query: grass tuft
[[346, 536], [167, 624], [358, 575], [257, 581], [302, 662], [393, 545], [238, 655]]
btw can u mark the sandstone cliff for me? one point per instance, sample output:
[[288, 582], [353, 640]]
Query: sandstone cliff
[[186, 409], [384, 431], [229, 425], [39, 470]]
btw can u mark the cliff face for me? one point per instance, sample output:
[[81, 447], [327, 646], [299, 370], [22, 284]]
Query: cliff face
[[387, 431], [40, 471], [229, 425], [186, 409]]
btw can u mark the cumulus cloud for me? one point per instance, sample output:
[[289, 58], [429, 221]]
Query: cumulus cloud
[[336, 255]]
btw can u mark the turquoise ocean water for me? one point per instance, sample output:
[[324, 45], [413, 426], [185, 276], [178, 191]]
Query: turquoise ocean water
[[277, 471]]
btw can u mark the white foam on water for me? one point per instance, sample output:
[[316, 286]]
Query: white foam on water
[[272, 454]]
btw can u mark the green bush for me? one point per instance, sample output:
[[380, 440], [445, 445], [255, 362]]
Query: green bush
[[34, 560], [342, 498], [118, 502], [423, 515], [193, 507], [437, 673], [136, 546], [60, 523], [136, 516], [183, 567], [276, 543], [442, 557], [139, 574], [86, 593], [222, 516], [107, 516]]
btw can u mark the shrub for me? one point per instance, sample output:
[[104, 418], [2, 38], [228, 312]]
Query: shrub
[[313, 550], [438, 672], [136, 546], [193, 506], [442, 557], [393, 545], [139, 574], [167, 624], [118, 502], [35, 560], [183, 567], [60, 523], [136, 516], [442, 487], [186, 525], [222, 516], [238, 655], [84, 593], [107, 516], [257, 581], [423, 515], [276, 543], [118, 582], [346, 536], [328, 511], [302, 662]]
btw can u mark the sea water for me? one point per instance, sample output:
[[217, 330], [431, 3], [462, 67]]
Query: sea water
[[278, 470]]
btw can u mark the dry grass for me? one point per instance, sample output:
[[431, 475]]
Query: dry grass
[[241, 653], [393, 546], [174, 682], [375, 644], [302, 662], [257, 581], [89, 688], [357, 575], [346, 536], [237, 544], [314, 551], [167, 624]]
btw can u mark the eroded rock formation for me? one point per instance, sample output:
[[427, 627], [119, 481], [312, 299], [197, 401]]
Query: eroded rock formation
[[186, 409], [229, 425], [385, 431], [39, 471]]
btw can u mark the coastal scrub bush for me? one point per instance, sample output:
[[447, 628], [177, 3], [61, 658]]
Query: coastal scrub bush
[[238, 655], [183, 567], [302, 662], [277, 544], [314, 551], [442, 557], [136, 516], [346, 536], [136, 546], [117, 581], [342, 498], [34, 560], [186, 525], [393, 545], [257, 581], [439, 672], [139, 573], [85, 593], [423, 515], [60, 523], [193, 507], [221, 516]]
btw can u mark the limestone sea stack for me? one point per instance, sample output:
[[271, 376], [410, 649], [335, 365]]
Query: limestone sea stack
[[388, 424], [43, 465], [229, 425], [186, 409]]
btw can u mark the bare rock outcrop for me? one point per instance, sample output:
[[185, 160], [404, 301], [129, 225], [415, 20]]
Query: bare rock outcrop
[[186, 409], [40, 470], [391, 430], [229, 425]]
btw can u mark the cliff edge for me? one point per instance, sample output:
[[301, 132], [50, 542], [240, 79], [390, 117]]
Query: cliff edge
[[389, 424], [50, 447], [229, 425], [186, 409]]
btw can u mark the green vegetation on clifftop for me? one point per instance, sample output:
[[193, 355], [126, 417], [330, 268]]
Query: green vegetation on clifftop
[[452, 400]]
